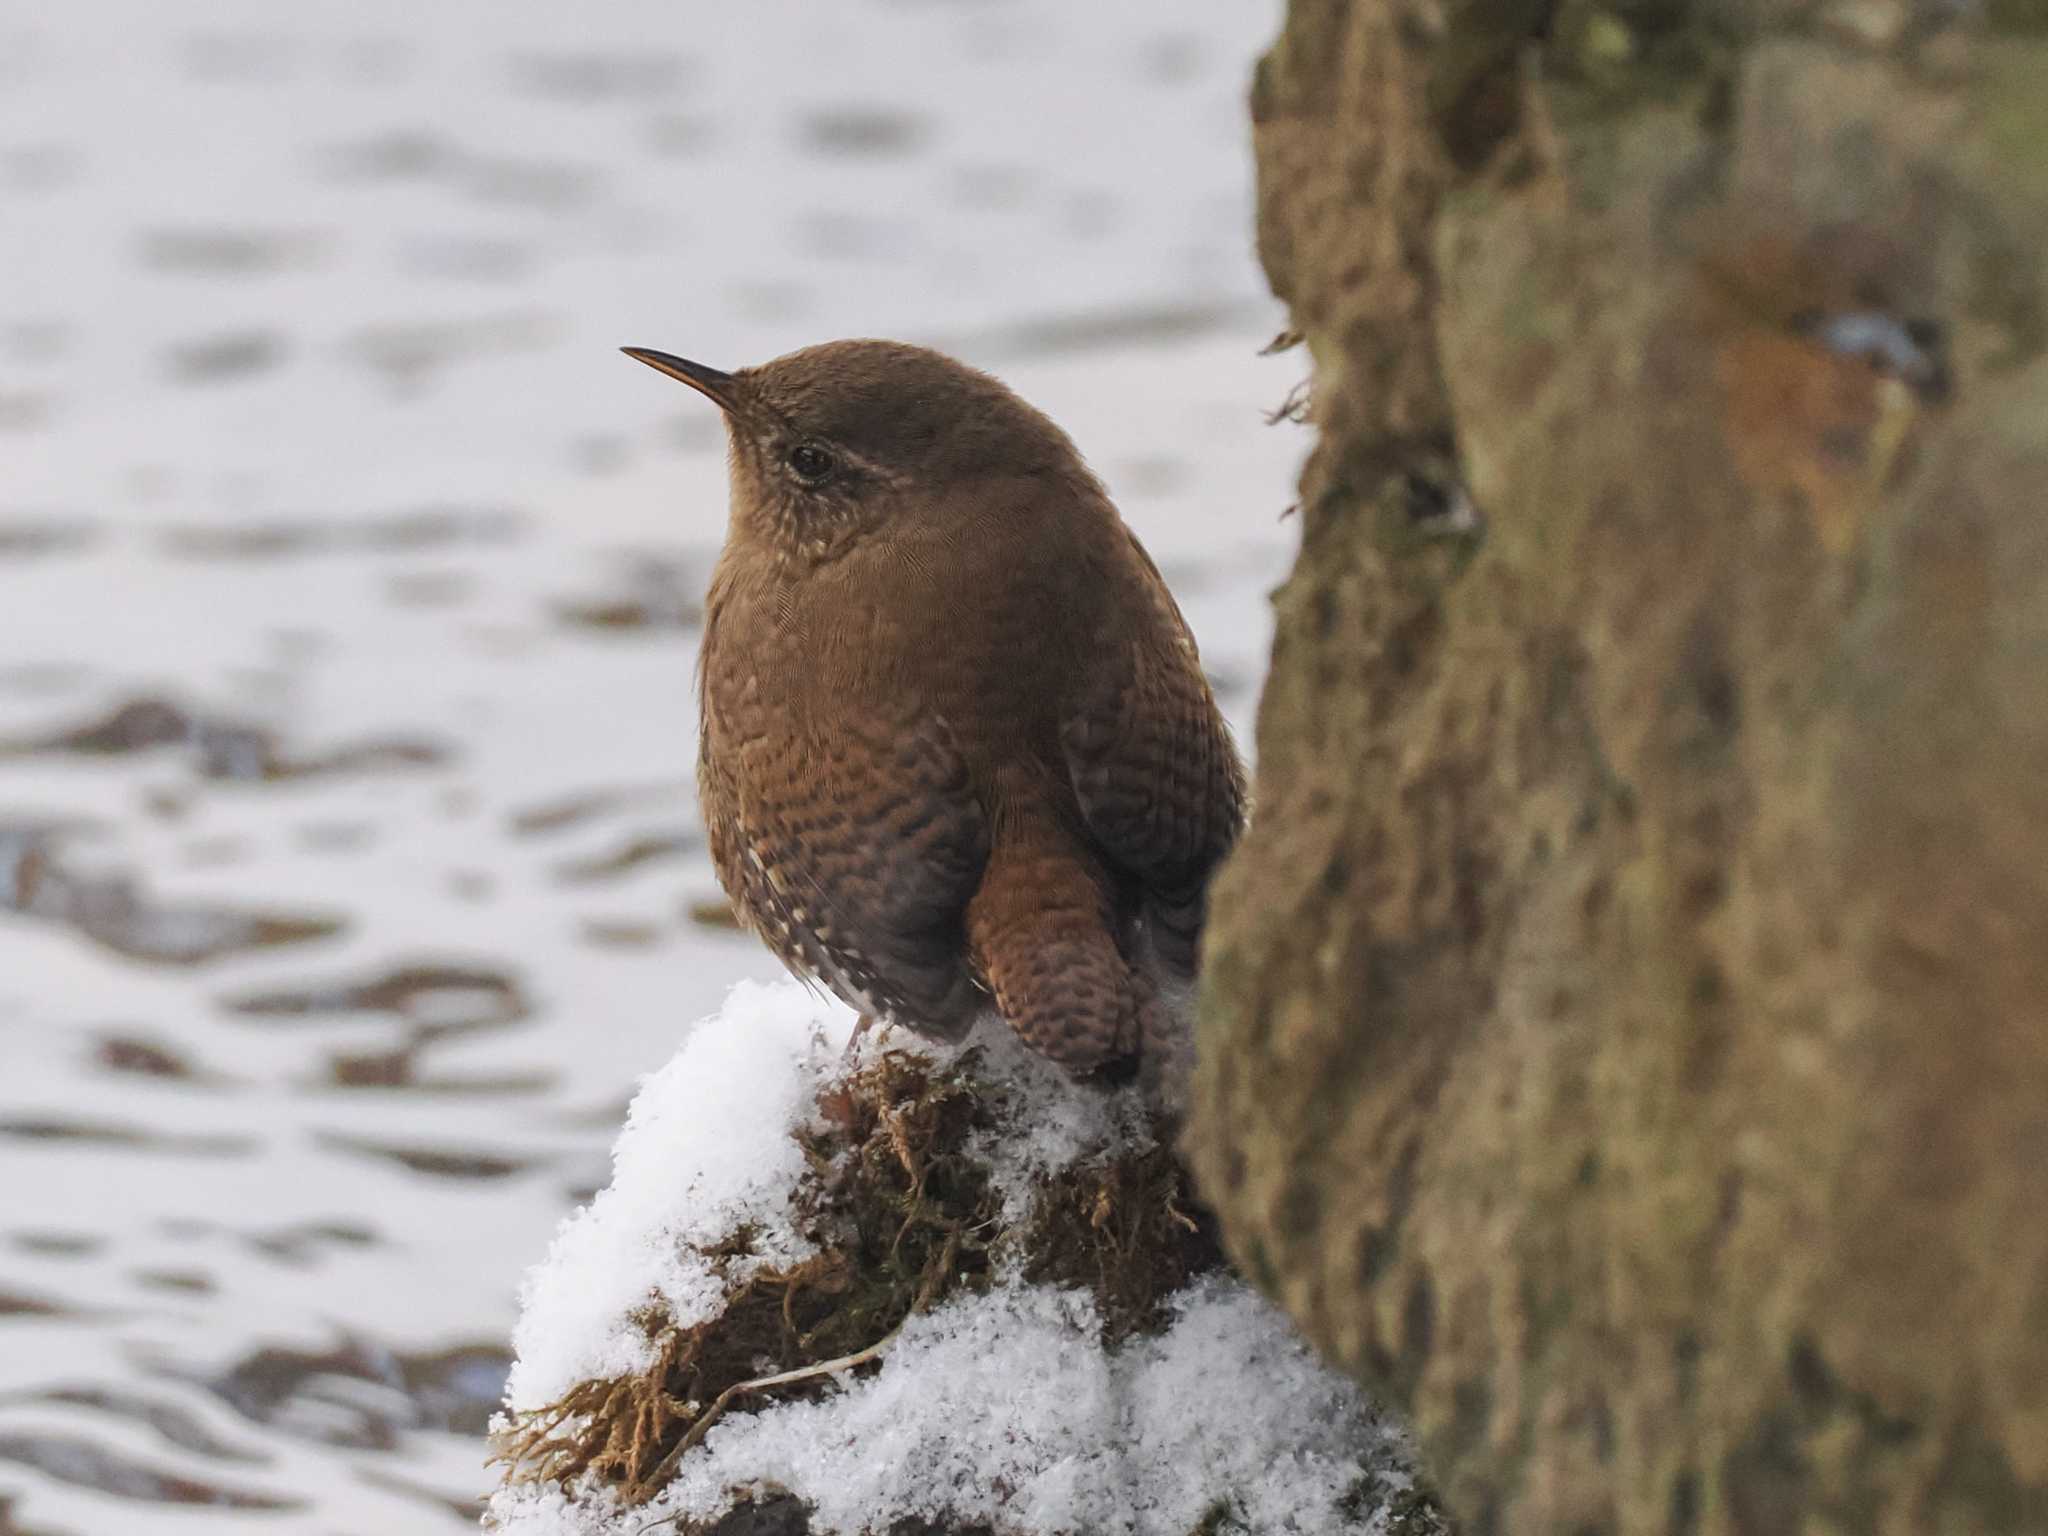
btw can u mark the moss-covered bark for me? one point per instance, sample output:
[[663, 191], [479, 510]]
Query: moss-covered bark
[[1626, 1033]]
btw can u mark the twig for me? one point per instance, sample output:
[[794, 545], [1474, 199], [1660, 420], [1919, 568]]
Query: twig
[[759, 1383]]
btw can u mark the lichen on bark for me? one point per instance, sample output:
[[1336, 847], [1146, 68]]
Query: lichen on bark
[[1625, 1034]]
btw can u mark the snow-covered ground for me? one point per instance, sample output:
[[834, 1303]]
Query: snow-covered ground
[[328, 964]]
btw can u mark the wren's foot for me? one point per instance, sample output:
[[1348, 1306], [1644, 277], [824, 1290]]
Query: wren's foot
[[861, 1026], [1166, 1063]]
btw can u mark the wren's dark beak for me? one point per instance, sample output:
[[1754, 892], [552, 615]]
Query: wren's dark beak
[[722, 389]]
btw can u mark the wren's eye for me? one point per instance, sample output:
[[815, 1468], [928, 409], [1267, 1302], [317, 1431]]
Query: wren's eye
[[811, 463]]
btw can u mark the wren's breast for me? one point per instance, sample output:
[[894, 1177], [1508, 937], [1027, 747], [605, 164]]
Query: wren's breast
[[754, 647], [894, 636]]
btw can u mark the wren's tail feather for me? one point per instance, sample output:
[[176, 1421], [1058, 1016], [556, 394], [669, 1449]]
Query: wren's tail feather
[[1065, 988], [1043, 934], [1072, 987]]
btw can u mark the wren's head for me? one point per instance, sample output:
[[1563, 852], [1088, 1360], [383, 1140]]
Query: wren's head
[[837, 441]]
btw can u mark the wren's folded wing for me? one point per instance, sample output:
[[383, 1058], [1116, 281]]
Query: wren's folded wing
[[1156, 774], [854, 858]]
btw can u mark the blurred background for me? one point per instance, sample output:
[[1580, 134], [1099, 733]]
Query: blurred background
[[349, 578]]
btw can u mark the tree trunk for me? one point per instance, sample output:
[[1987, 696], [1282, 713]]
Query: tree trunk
[[1625, 1042]]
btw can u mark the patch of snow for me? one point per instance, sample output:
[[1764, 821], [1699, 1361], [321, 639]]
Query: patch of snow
[[1068, 1123], [706, 1150], [1001, 1409]]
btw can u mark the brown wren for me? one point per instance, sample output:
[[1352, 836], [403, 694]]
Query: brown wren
[[956, 745]]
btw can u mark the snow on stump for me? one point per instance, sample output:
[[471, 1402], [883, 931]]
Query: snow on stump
[[915, 1290]]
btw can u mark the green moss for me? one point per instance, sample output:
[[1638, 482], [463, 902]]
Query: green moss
[[1980, 1480], [1597, 58], [1595, 45], [1474, 88], [2006, 285], [2018, 15]]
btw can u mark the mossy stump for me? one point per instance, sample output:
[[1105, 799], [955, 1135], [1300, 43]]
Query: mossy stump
[[1625, 1039]]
